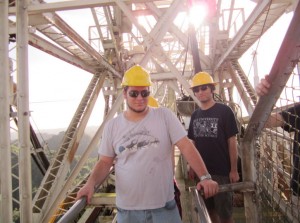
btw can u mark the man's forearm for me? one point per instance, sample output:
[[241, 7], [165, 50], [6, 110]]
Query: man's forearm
[[233, 153], [99, 173], [193, 157]]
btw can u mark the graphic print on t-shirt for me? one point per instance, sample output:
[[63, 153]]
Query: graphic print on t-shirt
[[205, 127], [136, 140]]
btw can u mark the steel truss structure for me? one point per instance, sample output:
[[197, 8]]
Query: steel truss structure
[[155, 34]]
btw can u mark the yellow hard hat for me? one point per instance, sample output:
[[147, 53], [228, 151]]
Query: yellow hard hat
[[152, 102], [136, 76], [202, 78]]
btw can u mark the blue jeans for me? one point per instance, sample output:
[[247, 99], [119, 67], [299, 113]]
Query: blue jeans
[[167, 214]]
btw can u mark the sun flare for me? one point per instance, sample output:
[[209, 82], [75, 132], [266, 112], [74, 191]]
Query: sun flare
[[197, 14]]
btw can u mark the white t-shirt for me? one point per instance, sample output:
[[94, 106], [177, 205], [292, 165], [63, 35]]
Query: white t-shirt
[[143, 151]]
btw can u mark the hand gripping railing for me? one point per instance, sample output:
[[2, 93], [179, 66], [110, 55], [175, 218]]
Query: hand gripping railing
[[199, 205], [78, 206], [73, 212]]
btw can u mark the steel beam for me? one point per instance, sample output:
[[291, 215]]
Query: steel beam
[[5, 151]]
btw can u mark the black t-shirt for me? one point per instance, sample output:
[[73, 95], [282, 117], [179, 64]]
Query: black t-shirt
[[210, 129], [291, 117]]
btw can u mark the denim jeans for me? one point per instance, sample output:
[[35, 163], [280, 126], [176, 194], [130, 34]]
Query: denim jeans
[[167, 214]]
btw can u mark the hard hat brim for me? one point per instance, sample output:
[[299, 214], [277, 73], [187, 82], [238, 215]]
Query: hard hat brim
[[214, 84]]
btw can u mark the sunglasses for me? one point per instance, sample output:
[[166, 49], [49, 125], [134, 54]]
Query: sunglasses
[[135, 94], [198, 88]]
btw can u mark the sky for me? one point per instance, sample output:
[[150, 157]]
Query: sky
[[56, 87], [267, 48]]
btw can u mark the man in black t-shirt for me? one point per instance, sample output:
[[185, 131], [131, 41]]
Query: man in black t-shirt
[[213, 130], [289, 120]]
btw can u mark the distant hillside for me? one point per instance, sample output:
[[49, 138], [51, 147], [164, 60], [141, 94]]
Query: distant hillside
[[53, 138]]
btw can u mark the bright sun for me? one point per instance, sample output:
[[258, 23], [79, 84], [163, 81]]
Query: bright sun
[[197, 13]]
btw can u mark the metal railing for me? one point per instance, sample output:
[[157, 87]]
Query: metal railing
[[201, 213], [73, 212], [197, 202]]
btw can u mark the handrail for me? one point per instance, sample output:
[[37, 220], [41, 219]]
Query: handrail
[[72, 213], [240, 186], [78, 206], [200, 208]]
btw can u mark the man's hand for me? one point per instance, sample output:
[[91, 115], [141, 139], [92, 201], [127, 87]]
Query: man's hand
[[209, 187], [263, 87], [86, 191], [234, 176]]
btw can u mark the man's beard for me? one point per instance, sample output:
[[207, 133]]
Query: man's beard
[[134, 110]]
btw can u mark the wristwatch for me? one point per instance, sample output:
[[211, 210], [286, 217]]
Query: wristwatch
[[205, 177]]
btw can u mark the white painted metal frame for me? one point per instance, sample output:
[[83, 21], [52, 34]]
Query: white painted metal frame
[[5, 153], [25, 179]]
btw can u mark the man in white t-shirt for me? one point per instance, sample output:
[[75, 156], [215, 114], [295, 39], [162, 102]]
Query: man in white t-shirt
[[140, 142]]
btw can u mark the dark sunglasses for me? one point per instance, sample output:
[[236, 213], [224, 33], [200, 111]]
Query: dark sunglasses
[[135, 94], [198, 88]]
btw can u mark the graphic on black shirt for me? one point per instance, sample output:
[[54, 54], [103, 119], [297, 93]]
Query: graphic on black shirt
[[136, 140], [205, 127]]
